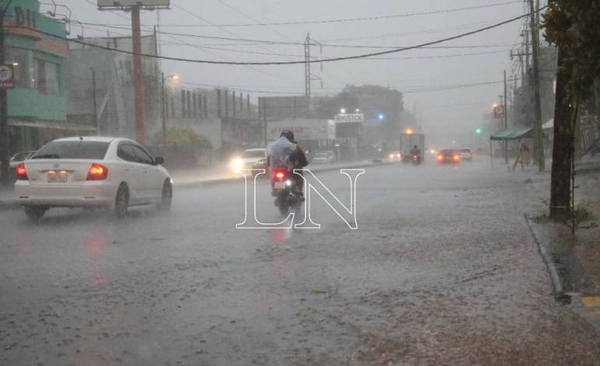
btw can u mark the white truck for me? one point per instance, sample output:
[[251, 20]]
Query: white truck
[[407, 142]]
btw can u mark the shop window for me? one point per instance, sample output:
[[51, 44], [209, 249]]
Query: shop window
[[47, 78], [22, 61]]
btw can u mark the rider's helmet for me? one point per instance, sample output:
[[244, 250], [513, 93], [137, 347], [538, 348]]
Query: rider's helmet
[[416, 148], [288, 135]]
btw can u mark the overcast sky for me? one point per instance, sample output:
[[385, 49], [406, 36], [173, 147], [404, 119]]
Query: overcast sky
[[475, 59]]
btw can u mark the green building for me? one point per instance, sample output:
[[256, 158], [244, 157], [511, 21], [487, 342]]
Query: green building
[[36, 104]]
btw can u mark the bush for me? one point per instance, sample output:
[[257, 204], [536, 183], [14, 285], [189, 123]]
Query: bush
[[182, 145]]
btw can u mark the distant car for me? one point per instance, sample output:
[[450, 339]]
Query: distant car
[[19, 157], [97, 172], [448, 157], [395, 156], [324, 157], [466, 154], [250, 159]]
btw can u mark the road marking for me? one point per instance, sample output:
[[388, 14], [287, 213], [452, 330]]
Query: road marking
[[590, 301]]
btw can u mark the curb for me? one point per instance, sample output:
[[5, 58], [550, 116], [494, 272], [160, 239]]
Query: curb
[[557, 285], [213, 182]]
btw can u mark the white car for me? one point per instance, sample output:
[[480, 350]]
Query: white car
[[466, 154], [324, 157], [95, 172], [250, 159]]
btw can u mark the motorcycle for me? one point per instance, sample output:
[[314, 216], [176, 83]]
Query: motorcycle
[[283, 191], [416, 159]]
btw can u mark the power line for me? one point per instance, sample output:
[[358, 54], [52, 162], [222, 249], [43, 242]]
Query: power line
[[335, 59], [346, 20]]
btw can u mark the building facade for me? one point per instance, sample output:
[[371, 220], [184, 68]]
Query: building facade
[[36, 105]]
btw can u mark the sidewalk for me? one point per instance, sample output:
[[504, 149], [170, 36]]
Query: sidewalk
[[202, 177], [574, 261]]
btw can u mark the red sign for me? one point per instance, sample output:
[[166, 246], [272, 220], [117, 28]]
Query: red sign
[[499, 112], [7, 77]]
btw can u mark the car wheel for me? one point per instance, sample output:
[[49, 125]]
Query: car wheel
[[122, 201], [167, 197], [35, 213]]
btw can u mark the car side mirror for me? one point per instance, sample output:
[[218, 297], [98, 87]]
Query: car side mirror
[[159, 160]]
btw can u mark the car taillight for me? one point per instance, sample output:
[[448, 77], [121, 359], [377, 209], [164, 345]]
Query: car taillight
[[97, 172], [440, 157], [456, 157], [21, 172], [280, 175]]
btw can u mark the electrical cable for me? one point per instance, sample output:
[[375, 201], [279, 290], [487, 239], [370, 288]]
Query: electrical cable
[[335, 59], [345, 20]]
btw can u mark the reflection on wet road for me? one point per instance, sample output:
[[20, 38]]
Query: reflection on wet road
[[442, 271]]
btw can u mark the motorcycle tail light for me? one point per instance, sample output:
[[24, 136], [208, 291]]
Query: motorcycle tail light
[[280, 175]]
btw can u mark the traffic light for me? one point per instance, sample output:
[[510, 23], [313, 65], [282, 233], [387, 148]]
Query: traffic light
[[478, 131]]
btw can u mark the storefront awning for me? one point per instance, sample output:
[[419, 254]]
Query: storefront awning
[[513, 133], [51, 124]]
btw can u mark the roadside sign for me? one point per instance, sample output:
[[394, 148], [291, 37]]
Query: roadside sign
[[7, 77], [499, 112]]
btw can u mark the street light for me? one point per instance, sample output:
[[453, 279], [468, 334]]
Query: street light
[[173, 77], [381, 116], [343, 111]]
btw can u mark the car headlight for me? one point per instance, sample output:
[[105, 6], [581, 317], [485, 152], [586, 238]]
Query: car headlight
[[237, 165]]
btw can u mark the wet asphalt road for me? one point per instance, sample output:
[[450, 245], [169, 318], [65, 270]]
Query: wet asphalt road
[[441, 271]]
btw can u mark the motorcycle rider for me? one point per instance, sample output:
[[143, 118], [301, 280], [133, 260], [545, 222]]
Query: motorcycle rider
[[285, 152], [416, 151]]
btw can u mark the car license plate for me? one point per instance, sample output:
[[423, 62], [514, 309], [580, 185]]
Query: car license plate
[[57, 176], [279, 185]]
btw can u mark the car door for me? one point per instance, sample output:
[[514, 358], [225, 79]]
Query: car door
[[131, 170], [152, 179]]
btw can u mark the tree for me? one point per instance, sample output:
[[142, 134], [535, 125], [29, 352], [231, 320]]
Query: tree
[[182, 145], [328, 107], [572, 25]]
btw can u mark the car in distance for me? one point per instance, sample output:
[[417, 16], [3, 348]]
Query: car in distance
[[250, 159], [395, 156], [448, 156], [466, 154], [92, 172], [19, 157], [324, 157]]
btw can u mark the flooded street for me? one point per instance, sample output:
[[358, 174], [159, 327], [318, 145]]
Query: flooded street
[[442, 270]]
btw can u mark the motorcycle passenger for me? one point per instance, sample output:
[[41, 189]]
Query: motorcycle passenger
[[285, 153]]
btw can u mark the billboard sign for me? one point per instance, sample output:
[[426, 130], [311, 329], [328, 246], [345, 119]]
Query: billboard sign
[[130, 3], [7, 77], [350, 118], [303, 129]]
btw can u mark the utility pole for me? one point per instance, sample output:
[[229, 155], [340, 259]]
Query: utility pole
[[96, 120], [539, 138], [505, 105], [264, 116], [138, 82], [307, 76], [163, 109], [4, 130]]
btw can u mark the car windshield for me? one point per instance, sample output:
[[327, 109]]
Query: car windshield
[[73, 150], [447, 152], [465, 150], [253, 154], [320, 155]]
